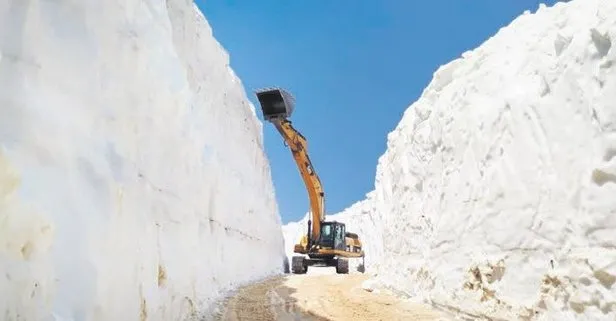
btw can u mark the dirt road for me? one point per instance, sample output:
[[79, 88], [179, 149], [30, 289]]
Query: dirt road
[[324, 296]]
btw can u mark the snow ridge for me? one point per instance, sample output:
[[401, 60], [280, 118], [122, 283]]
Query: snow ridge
[[126, 142], [496, 194]]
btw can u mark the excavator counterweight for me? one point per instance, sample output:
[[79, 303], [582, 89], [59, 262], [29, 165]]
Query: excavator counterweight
[[325, 243]]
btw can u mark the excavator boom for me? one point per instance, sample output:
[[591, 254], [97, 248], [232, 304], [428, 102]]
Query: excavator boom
[[277, 105], [298, 145]]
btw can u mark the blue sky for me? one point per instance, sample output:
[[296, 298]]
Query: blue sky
[[353, 67]]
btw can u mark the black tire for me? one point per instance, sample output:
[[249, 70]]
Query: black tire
[[298, 265], [285, 265], [342, 266], [362, 267]]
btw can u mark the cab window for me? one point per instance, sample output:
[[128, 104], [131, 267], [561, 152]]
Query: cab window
[[338, 232], [326, 231]]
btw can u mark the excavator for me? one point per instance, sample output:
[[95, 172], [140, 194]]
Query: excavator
[[325, 243]]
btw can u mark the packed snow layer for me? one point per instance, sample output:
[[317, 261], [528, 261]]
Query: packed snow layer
[[497, 192], [509, 157], [133, 182]]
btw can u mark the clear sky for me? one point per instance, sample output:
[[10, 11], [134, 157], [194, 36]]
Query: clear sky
[[353, 66]]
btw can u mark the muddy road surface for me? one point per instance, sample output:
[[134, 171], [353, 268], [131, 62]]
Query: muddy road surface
[[321, 295]]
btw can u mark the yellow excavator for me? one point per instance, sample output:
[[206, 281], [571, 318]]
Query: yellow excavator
[[325, 243]]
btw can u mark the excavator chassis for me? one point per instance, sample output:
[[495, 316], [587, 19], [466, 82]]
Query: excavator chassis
[[300, 264], [331, 249]]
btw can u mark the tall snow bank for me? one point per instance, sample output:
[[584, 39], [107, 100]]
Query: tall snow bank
[[498, 187], [133, 182], [497, 192]]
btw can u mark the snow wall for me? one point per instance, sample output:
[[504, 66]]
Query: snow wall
[[496, 195], [133, 181]]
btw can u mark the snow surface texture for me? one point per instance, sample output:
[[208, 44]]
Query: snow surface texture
[[496, 195], [133, 182]]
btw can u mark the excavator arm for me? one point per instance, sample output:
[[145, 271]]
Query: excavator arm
[[333, 245], [277, 106], [299, 148]]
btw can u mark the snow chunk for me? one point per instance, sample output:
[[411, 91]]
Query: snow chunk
[[370, 285]]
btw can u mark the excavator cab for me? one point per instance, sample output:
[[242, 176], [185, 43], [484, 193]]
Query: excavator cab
[[333, 236], [275, 103]]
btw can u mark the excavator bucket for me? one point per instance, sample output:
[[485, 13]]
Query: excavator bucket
[[275, 103]]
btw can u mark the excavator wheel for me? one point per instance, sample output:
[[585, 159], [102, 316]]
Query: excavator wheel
[[298, 265], [362, 267], [342, 266]]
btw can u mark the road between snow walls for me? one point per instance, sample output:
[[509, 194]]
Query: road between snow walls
[[126, 145], [496, 196]]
